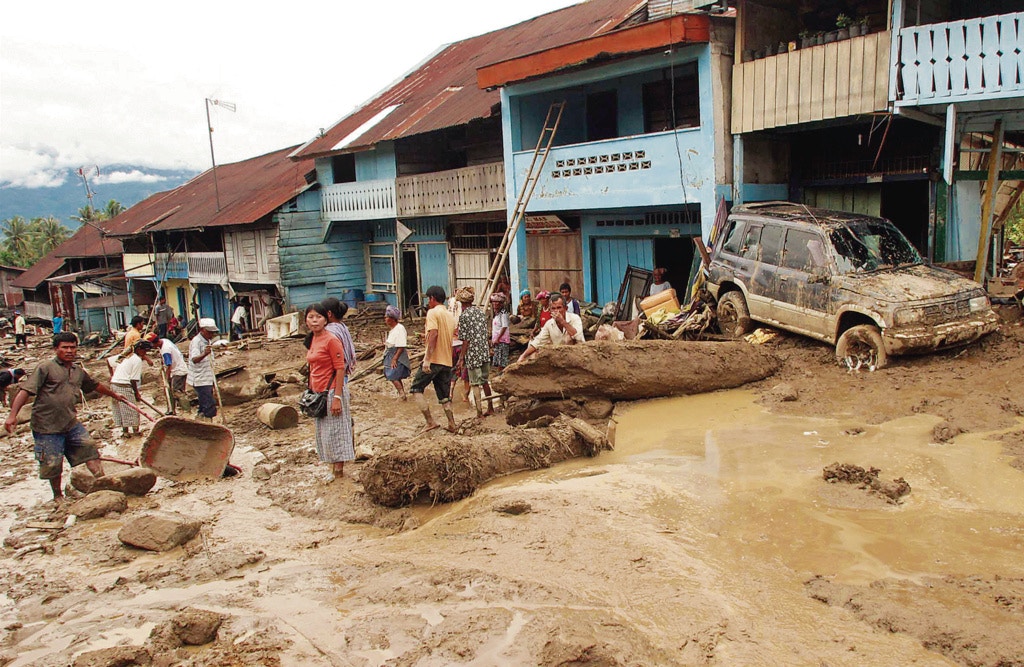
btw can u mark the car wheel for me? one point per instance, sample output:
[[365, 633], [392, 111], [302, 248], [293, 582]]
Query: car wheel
[[861, 347], [733, 315]]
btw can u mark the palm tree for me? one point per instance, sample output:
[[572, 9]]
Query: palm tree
[[50, 233], [18, 237], [113, 209], [88, 214]]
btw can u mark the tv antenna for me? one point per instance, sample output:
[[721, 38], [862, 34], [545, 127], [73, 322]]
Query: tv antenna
[[85, 173], [230, 106]]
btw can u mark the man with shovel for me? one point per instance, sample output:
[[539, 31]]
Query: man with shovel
[[200, 366], [57, 385]]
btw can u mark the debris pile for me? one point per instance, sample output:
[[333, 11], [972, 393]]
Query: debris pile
[[848, 473]]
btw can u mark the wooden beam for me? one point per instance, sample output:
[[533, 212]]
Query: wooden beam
[[982, 175], [994, 162]]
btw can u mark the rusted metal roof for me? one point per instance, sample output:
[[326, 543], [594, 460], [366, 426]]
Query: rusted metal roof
[[645, 37], [443, 92], [249, 191], [85, 242]]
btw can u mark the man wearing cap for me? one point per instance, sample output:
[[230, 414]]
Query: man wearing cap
[[125, 382], [562, 329], [20, 335], [200, 366], [437, 360], [57, 385]]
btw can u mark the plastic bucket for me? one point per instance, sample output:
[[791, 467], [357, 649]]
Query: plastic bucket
[[371, 297]]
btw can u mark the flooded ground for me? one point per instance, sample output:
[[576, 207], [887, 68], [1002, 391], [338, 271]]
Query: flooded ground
[[709, 536]]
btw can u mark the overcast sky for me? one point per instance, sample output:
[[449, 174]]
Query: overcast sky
[[101, 83]]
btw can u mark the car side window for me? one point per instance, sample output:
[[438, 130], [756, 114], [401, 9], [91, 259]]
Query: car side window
[[751, 242], [733, 238], [804, 251], [771, 244]]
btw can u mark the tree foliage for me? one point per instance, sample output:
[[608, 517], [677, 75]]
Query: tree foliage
[[1014, 224], [24, 242]]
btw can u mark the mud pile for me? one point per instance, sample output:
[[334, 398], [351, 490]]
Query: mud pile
[[636, 369], [867, 480], [448, 468]]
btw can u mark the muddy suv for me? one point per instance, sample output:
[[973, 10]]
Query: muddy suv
[[847, 279]]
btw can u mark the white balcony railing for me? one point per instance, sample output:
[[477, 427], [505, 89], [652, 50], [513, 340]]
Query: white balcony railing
[[363, 200], [962, 61], [207, 267], [466, 190]]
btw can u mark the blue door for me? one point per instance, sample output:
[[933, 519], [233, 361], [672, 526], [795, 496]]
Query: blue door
[[433, 259], [213, 302], [610, 259]]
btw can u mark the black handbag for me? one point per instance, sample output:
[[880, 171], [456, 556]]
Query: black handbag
[[314, 403]]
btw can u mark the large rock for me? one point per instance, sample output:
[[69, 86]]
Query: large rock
[[99, 504], [133, 481], [159, 531], [115, 656], [636, 369], [190, 627]]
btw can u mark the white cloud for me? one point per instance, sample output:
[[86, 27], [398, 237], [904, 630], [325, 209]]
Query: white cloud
[[133, 176]]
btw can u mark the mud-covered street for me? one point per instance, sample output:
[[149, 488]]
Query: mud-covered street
[[708, 536]]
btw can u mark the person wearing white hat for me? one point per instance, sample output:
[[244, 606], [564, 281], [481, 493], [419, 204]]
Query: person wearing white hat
[[200, 366]]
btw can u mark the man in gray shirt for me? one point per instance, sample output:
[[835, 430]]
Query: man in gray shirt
[[162, 313]]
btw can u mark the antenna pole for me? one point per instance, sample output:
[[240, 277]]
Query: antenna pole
[[209, 125]]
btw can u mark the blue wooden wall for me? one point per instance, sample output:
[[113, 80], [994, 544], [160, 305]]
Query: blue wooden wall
[[312, 268]]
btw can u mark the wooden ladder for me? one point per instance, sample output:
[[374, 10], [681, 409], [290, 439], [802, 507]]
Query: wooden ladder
[[540, 156]]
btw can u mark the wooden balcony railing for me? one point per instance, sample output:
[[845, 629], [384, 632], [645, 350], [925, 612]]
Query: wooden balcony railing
[[467, 190], [207, 267], [818, 83], [160, 265], [363, 200], [962, 61]]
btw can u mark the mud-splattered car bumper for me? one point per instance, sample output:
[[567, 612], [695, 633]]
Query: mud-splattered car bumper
[[926, 338]]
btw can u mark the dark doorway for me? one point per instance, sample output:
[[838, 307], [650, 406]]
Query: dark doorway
[[602, 115], [410, 279], [675, 255], [905, 204]]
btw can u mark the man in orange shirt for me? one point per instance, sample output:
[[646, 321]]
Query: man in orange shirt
[[437, 362]]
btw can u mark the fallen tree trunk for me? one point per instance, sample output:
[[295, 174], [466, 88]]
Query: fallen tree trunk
[[638, 369], [448, 468]]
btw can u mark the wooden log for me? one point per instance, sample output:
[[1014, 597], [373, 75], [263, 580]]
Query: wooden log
[[597, 441]]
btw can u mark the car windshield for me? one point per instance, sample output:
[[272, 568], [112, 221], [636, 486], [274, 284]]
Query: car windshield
[[870, 245]]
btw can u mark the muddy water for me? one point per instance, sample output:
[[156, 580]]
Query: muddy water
[[753, 480]]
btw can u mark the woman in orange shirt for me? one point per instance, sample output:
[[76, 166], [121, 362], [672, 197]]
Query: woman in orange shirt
[[326, 359]]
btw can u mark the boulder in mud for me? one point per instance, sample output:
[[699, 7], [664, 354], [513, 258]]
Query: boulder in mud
[[636, 369], [133, 481], [99, 504], [159, 531], [189, 627], [115, 656]]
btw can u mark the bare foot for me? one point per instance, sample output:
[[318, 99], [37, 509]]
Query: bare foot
[[451, 428]]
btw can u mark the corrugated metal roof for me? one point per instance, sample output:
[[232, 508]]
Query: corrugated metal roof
[[82, 243], [249, 190], [443, 91]]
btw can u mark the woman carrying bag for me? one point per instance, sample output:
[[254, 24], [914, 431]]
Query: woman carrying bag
[[326, 359]]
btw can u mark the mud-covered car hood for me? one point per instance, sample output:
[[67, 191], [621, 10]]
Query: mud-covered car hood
[[912, 283]]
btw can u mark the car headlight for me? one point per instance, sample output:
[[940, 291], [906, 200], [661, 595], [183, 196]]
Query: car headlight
[[979, 303], [905, 316]]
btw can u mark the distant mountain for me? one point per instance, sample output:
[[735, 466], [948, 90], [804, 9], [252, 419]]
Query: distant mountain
[[64, 201]]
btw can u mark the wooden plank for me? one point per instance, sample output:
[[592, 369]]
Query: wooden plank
[[972, 52], [817, 84], [782, 88], [770, 65], [793, 89], [855, 100], [881, 77], [990, 49], [806, 72], [843, 78], [868, 81], [748, 97], [758, 120], [737, 97], [828, 99], [940, 65], [957, 47]]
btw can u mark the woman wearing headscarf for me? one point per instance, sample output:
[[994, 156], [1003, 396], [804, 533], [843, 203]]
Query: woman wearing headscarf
[[526, 310], [326, 359], [544, 313], [500, 337], [335, 324], [396, 357]]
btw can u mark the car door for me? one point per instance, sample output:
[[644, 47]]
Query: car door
[[747, 262], [803, 294], [765, 282]]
